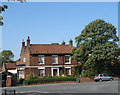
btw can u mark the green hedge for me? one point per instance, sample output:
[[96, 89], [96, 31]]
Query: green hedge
[[47, 80]]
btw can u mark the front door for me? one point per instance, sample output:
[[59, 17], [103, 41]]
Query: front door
[[55, 72]]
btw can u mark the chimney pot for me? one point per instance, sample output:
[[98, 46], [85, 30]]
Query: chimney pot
[[71, 42], [23, 43], [63, 43], [28, 41]]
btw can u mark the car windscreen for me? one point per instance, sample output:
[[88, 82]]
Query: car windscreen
[[97, 75]]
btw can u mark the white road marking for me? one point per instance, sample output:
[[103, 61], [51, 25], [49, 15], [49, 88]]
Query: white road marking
[[32, 92]]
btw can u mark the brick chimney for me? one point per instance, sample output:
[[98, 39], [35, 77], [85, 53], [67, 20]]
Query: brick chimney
[[28, 41], [63, 43], [71, 42], [23, 43]]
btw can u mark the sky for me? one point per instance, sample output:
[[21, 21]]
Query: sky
[[50, 22]]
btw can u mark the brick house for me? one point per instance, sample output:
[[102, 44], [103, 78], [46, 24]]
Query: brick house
[[47, 59]]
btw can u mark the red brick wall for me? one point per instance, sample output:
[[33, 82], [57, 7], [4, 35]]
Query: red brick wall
[[32, 70], [47, 71], [48, 60], [25, 54]]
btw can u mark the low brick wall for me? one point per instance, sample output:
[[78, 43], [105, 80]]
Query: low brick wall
[[53, 83], [116, 78], [86, 80]]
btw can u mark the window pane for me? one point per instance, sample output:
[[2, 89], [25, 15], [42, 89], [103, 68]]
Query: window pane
[[41, 59], [41, 74], [67, 70], [54, 59], [67, 59]]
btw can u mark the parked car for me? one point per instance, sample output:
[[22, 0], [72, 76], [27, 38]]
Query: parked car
[[102, 77]]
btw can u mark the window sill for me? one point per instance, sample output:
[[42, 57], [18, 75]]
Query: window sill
[[68, 63], [54, 63], [40, 63]]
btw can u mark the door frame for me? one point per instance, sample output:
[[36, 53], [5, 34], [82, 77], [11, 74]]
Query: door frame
[[57, 71]]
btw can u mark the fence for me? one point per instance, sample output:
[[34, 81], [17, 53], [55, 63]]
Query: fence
[[8, 92]]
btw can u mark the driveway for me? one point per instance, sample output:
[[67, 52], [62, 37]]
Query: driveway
[[91, 87]]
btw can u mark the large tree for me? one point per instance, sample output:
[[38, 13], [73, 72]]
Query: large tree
[[96, 47], [6, 56]]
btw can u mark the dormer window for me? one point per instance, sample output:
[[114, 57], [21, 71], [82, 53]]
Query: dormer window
[[41, 59]]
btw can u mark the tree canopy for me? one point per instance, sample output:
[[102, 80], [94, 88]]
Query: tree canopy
[[6, 56], [96, 46]]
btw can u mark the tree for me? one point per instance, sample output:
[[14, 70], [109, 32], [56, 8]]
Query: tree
[[2, 8], [96, 47], [6, 56]]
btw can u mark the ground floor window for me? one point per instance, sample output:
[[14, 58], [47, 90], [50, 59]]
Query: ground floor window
[[21, 74], [42, 73], [68, 71]]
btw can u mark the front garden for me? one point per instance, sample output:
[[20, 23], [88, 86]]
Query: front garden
[[33, 79]]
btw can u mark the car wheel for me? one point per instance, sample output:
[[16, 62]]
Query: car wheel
[[100, 80], [111, 79]]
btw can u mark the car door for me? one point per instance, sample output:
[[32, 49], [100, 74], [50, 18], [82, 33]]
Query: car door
[[106, 77], [101, 76]]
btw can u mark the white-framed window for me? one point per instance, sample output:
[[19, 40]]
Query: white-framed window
[[68, 71], [41, 72], [67, 59], [55, 71], [41, 59], [21, 74], [54, 59], [24, 60]]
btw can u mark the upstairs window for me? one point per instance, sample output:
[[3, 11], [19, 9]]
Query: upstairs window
[[24, 60], [55, 59], [41, 59], [67, 58]]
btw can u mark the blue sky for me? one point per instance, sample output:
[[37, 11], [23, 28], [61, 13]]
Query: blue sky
[[47, 23]]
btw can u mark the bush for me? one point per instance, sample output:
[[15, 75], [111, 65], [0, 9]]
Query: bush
[[32, 76], [47, 80], [47, 76]]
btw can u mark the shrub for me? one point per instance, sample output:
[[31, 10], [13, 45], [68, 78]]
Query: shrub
[[32, 76], [47, 76], [47, 80]]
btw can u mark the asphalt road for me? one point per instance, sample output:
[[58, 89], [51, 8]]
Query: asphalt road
[[91, 87]]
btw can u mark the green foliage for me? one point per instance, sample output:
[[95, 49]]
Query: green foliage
[[32, 76], [2, 8], [78, 69], [47, 80], [96, 47], [6, 56], [47, 76]]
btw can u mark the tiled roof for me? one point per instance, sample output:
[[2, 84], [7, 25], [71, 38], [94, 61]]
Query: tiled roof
[[19, 63], [50, 48], [10, 65]]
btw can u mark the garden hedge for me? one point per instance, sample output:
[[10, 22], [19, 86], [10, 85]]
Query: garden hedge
[[47, 80]]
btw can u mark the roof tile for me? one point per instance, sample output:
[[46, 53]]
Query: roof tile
[[50, 49]]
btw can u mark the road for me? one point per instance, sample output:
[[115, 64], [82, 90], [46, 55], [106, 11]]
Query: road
[[91, 87]]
